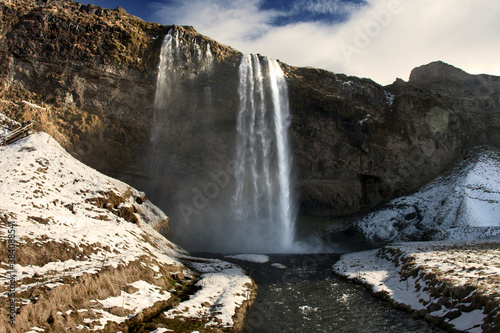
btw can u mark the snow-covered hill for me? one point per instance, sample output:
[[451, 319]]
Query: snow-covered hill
[[452, 279], [455, 284], [84, 255], [463, 204]]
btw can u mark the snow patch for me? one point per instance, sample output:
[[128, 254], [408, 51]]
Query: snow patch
[[225, 287], [389, 98], [434, 278], [256, 258], [146, 295]]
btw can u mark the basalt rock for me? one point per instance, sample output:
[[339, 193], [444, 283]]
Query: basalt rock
[[92, 73], [476, 98], [358, 143]]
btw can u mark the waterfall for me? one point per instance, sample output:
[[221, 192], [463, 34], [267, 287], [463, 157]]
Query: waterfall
[[165, 81], [190, 168], [183, 58], [177, 54], [262, 201]]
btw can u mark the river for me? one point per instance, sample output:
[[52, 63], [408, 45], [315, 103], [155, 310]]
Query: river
[[306, 297]]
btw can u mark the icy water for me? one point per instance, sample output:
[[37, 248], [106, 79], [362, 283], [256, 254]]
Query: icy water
[[306, 297]]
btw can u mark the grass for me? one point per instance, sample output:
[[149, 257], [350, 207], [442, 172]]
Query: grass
[[47, 308], [466, 284]]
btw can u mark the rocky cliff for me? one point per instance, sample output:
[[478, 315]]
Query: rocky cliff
[[90, 75], [359, 143], [476, 98], [90, 68]]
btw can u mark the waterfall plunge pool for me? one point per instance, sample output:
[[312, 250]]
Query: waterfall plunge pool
[[299, 293]]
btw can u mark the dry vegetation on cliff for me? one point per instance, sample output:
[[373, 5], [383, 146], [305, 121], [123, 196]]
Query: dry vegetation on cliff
[[83, 34], [87, 257], [70, 32]]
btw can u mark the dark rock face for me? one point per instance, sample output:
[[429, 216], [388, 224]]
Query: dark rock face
[[356, 144], [476, 98]]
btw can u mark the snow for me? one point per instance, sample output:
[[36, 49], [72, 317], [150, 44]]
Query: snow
[[256, 258], [306, 309], [365, 119], [146, 295], [437, 278], [99, 324], [36, 330], [23, 102], [53, 200], [5, 123], [381, 275], [469, 322], [225, 287], [463, 204], [389, 98]]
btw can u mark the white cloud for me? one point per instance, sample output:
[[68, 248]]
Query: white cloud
[[224, 20], [382, 40], [338, 7]]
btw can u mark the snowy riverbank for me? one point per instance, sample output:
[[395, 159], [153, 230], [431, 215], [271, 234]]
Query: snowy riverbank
[[455, 284]]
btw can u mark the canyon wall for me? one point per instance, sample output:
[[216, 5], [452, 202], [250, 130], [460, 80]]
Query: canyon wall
[[90, 75]]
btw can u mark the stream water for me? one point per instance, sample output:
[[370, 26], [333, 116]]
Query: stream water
[[306, 297]]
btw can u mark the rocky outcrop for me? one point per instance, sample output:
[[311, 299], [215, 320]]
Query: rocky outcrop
[[358, 143], [92, 73], [92, 68], [476, 98]]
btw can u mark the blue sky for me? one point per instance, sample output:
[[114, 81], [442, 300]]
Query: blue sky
[[379, 39], [288, 12]]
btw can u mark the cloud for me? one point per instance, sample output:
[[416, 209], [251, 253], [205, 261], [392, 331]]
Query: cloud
[[224, 20], [382, 39], [333, 7]]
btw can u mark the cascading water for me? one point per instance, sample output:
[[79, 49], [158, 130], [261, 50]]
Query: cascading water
[[165, 83], [173, 55], [192, 175], [263, 201], [182, 58]]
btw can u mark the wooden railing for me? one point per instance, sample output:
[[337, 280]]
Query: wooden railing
[[16, 134]]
